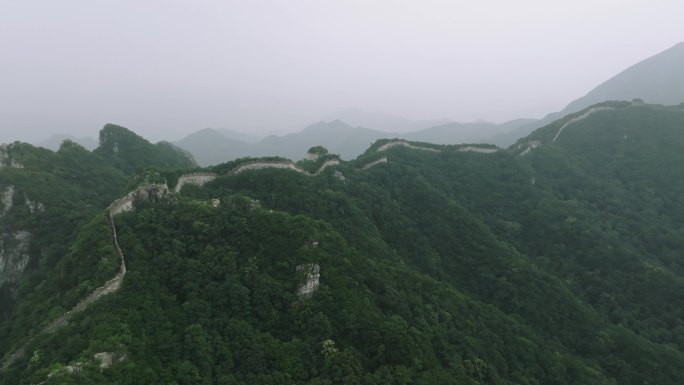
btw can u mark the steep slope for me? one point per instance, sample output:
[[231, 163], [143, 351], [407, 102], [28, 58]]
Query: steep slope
[[128, 151], [46, 198], [658, 79], [615, 169], [338, 333], [557, 261]]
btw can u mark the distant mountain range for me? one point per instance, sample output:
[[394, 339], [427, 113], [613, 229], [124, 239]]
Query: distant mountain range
[[53, 142], [241, 136], [555, 261], [210, 146], [658, 79], [358, 117]]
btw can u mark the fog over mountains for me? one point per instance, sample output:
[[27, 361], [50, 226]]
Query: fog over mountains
[[211, 147], [358, 117], [658, 79], [458, 264], [385, 192], [560, 253]]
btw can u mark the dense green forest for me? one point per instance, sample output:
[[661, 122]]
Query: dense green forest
[[127, 151], [555, 261]]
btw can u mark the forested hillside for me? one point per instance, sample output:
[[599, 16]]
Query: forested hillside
[[555, 261], [127, 151], [47, 197]]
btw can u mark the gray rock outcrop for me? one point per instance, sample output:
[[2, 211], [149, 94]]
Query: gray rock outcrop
[[7, 200], [312, 276], [14, 256], [6, 158]]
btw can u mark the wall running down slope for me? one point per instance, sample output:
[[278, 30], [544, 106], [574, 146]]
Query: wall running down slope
[[159, 191], [154, 191], [580, 118]]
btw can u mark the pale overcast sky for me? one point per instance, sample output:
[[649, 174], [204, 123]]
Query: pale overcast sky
[[165, 68]]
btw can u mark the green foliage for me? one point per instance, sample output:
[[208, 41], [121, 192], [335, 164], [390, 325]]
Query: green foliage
[[71, 185], [318, 150], [128, 151], [561, 266]]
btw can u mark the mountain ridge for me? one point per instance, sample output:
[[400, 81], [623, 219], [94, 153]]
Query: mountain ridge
[[440, 264], [338, 136], [658, 79]]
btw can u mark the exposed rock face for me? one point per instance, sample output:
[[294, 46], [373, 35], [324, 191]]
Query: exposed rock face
[[339, 176], [75, 368], [197, 179], [4, 155], [312, 272], [106, 359], [6, 159], [14, 256], [34, 206], [14, 247], [7, 200], [154, 191]]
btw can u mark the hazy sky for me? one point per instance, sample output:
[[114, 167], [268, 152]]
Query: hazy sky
[[165, 68]]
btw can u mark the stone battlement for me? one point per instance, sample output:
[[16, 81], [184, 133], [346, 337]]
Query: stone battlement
[[195, 179]]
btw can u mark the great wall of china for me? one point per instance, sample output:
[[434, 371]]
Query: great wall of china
[[579, 118], [157, 191]]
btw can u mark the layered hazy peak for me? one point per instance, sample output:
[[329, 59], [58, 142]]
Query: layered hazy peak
[[658, 79], [355, 116]]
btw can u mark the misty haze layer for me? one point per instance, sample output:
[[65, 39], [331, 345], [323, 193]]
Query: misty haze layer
[[170, 68]]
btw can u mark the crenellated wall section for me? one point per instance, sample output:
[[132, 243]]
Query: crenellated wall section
[[195, 179], [310, 271]]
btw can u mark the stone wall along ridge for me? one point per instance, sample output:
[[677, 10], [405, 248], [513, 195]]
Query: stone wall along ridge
[[195, 178]]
